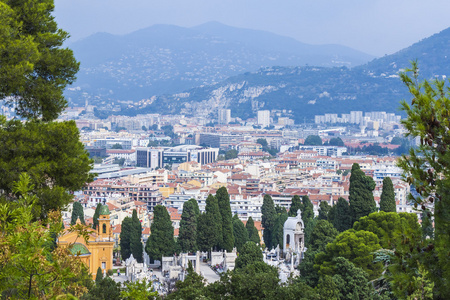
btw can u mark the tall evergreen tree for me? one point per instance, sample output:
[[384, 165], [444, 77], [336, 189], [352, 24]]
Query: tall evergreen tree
[[296, 204], [268, 220], [240, 233], [77, 212], [360, 194], [125, 238], [215, 220], [99, 276], [96, 216], [187, 237], [136, 246], [161, 241], [307, 210], [253, 235], [195, 206], [206, 236], [387, 199], [342, 217], [223, 200], [277, 236], [324, 209]]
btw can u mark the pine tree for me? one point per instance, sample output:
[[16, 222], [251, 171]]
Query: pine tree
[[187, 237], [77, 212], [296, 204], [161, 241], [360, 194], [240, 233], [99, 276], [342, 217], [387, 199], [253, 235], [96, 216], [268, 220], [125, 238], [324, 209], [223, 200], [136, 246]]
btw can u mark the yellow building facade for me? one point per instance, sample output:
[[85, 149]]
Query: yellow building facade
[[98, 250]]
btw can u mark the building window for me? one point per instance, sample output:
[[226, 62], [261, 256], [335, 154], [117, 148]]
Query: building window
[[103, 265], [104, 228]]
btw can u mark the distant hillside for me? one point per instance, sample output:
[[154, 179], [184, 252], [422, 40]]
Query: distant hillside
[[166, 59], [308, 91]]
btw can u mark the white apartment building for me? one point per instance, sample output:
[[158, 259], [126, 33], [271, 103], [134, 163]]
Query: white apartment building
[[263, 118], [224, 116]]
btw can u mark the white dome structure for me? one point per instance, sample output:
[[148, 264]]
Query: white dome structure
[[293, 234]]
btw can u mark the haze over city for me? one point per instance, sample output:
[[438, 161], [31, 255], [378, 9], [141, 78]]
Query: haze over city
[[375, 27]]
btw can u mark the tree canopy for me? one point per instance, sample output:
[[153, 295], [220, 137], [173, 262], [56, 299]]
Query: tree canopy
[[387, 199], [360, 193], [313, 140], [161, 241], [187, 237], [223, 200], [268, 220]]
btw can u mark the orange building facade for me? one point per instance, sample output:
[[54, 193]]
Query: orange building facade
[[98, 250]]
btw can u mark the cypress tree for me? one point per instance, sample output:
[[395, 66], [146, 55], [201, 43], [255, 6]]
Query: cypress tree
[[136, 238], [307, 210], [214, 219], [277, 236], [360, 194], [99, 276], [240, 233], [324, 209], [195, 206], [206, 236], [161, 241], [342, 216], [187, 237], [77, 212], [387, 199], [223, 200], [96, 216], [268, 220], [125, 238], [253, 235], [296, 204]]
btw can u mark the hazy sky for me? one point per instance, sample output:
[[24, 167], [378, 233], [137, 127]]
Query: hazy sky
[[376, 27]]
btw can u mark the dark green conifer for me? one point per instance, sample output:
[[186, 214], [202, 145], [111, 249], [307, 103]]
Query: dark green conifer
[[206, 237], [195, 206], [223, 201], [99, 276], [296, 204], [187, 237], [342, 217], [360, 194], [136, 246], [268, 220], [125, 238], [253, 235], [96, 216], [240, 233], [77, 212], [324, 209], [277, 236], [387, 199], [161, 241]]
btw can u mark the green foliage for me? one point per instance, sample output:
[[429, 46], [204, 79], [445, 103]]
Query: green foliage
[[427, 225], [51, 154], [360, 194], [206, 238], [253, 235], [387, 199], [191, 288], [119, 161], [211, 232], [327, 288], [313, 140], [427, 167], [296, 290], [223, 200], [107, 289], [96, 216], [296, 204], [230, 154], [138, 290], [77, 212], [277, 234], [307, 210], [31, 267], [35, 69], [240, 233], [396, 140], [262, 142], [336, 142], [324, 209], [322, 234], [387, 225], [351, 281], [187, 237], [356, 246], [116, 146], [308, 273], [136, 238], [249, 254], [268, 220], [161, 241], [340, 216], [99, 276], [195, 206], [125, 238]]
